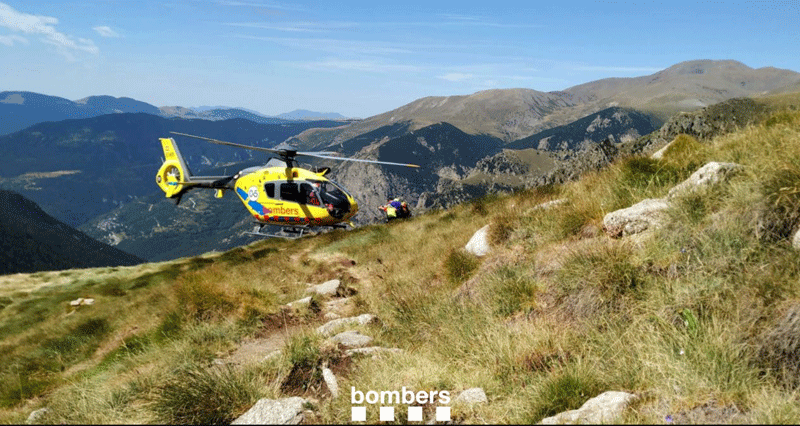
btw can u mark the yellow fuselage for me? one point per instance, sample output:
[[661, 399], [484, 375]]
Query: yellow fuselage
[[279, 196]]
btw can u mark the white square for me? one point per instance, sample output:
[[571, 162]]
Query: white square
[[358, 414], [442, 414], [415, 414], [387, 414]]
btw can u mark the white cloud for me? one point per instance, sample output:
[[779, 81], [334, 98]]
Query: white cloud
[[354, 65], [10, 40], [106, 31], [261, 5], [45, 26], [457, 76], [333, 45], [296, 26]]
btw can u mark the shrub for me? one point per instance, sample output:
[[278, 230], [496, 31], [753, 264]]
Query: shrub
[[201, 297], [305, 356], [460, 265], [779, 348], [781, 190], [563, 391], [217, 395], [511, 291], [685, 152]]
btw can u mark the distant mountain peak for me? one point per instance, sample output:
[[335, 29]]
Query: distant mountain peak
[[304, 114]]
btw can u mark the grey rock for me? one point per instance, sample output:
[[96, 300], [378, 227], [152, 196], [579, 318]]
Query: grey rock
[[330, 316], [372, 351], [705, 177], [647, 214], [328, 328], [286, 411], [478, 244], [328, 288], [660, 153], [336, 304], [303, 301], [796, 240], [330, 381], [352, 339], [37, 416], [604, 408], [472, 396]]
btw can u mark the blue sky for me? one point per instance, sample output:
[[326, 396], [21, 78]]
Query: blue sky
[[364, 58]]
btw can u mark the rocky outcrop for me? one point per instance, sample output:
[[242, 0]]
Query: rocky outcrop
[[650, 213], [604, 408], [330, 327], [351, 339], [330, 381], [644, 215], [37, 417], [372, 351], [328, 288], [479, 243], [471, 396], [286, 411], [704, 124], [704, 178]]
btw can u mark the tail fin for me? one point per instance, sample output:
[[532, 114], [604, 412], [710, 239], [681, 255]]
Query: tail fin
[[173, 175], [175, 178]]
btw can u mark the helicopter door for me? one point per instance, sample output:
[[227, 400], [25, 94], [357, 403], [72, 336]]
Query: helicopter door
[[290, 192], [309, 194]]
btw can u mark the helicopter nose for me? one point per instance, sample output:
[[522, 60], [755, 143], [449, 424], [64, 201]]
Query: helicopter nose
[[354, 206]]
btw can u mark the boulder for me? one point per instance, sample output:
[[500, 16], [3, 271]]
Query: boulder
[[303, 301], [796, 240], [479, 244], [644, 215], [472, 396], [328, 288], [660, 153], [329, 327], [705, 177], [604, 408], [37, 417], [286, 411], [330, 381], [352, 339], [372, 351]]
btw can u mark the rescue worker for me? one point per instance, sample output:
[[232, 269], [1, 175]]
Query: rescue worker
[[390, 209]]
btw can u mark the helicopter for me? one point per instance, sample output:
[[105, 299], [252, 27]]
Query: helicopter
[[278, 193]]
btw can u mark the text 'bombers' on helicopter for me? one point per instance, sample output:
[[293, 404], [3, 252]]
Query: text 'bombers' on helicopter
[[278, 193]]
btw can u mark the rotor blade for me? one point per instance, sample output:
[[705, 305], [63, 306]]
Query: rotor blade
[[218, 142], [359, 160], [291, 153], [287, 152]]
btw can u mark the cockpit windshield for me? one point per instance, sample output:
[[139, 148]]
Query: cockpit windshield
[[333, 197]]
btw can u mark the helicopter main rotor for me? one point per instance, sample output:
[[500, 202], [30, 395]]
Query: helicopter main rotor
[[288, 153]]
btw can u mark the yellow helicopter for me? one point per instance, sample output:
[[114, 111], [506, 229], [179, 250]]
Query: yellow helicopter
[[279, 193]]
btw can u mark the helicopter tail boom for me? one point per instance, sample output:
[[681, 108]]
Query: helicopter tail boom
[[175, 178]]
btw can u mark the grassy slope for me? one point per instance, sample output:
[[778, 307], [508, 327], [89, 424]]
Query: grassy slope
[[689, 317]]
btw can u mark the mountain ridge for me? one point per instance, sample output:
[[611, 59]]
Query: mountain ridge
[[34, 241]]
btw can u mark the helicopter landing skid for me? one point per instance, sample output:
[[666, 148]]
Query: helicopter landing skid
[[289, 232]]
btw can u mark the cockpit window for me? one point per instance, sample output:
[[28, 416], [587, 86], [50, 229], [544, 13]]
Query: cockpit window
[[289, 192], [332, 197]]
